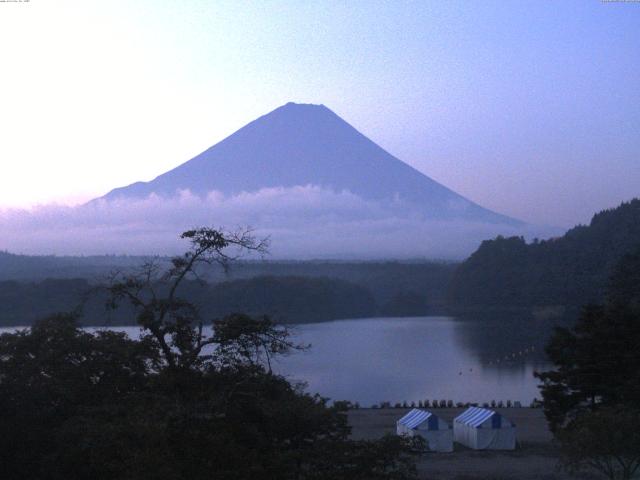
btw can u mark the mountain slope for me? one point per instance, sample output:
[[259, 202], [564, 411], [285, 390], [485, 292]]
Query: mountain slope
[[299, 145], [571, 270]]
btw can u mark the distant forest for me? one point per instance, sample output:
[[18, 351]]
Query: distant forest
[[43, 267], [503, 273], [290, 292], [572, 270]]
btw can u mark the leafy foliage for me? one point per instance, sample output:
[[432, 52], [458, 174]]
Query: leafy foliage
[[287, 299], [570, 270], [242, 341], [592, 397], [596, 365], [624, 286], [597, 360], [55, 372], [177, 404], [290, 299], [98, 405], [607, 441]]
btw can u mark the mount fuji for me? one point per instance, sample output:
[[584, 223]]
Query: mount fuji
[[299, 145]]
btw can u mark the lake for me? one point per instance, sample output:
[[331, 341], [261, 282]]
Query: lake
[[411, 359], [418, 358]]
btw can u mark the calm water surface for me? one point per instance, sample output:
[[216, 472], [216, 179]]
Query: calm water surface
[[397, 359], [412, 359]]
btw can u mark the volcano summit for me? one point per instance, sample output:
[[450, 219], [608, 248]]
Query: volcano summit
[[309, 145]]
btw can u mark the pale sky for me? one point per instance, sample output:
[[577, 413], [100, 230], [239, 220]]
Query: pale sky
[[531, 109]]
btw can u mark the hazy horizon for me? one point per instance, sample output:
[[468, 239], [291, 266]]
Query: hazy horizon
[[299, 175]]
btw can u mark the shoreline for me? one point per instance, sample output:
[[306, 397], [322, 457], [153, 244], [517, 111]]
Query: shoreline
[[535, 458]]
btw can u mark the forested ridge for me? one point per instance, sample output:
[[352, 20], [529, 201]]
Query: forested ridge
[[287, 298], [42, 267], [32, 287], [571, 270]]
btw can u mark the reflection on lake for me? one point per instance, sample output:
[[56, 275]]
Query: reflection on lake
[[412, 359], [397, 359]]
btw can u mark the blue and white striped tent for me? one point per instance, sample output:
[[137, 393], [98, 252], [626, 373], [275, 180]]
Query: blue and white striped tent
[[481, 428], [436, 432]]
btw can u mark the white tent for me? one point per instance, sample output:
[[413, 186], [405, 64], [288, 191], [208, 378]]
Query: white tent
[[483, 429], [436, 432]]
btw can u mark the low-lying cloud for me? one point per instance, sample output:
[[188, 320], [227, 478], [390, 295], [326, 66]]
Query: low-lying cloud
[[302, 222]]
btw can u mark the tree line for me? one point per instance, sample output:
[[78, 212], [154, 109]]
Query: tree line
[[592, 396], [571, 270], [288, 299]]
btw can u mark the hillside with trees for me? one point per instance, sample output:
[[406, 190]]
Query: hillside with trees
[[386, 280], [32, 287], [287, 299], [592, 395], [291, 299], [571, 270], [42, 267]]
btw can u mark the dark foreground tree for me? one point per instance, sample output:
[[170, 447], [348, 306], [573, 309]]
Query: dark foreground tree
[[624, 286], [172, 322], [597, 363], [180, 403], [592, 396], [98, 405], [607, 441], [54, 373]]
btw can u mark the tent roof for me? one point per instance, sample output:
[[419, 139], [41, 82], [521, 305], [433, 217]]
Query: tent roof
[[474, 416], [415, 417]]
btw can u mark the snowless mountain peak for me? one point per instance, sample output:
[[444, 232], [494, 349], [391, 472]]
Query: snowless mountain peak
[[301, 144]]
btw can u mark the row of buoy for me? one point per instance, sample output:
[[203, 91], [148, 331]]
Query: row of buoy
[[508, 357], [514, 355]]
